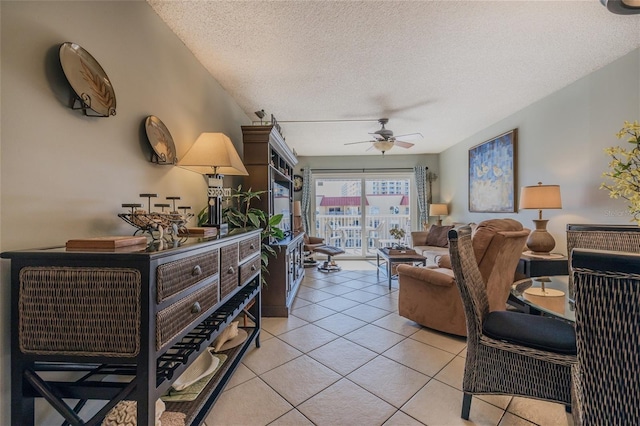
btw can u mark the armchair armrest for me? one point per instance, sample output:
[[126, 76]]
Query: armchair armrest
[[314, 240], [444, 261], [439, 276], [312, 243]]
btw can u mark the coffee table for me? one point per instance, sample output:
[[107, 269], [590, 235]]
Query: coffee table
[[393, 256]]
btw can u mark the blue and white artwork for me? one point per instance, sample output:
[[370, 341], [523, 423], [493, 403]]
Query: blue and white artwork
[[492, 175]]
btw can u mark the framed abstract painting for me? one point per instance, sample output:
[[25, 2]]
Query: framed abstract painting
[[492, 181]]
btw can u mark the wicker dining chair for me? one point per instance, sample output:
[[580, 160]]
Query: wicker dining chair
[[607, 376], [508, 353], [601, 237]]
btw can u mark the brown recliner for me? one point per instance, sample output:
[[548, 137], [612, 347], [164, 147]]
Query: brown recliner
[[430, 297]]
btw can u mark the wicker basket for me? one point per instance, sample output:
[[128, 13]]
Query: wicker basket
[[98, 309]]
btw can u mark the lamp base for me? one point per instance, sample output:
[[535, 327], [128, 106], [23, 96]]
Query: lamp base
[[540, 241], [547, 292]]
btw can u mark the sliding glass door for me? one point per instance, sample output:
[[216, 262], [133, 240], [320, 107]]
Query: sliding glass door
[[355, 212]]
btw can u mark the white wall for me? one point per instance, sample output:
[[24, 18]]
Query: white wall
[[560, 141], [64, 175]]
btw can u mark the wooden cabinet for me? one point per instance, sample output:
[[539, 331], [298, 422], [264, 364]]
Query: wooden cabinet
[[270, 163], [286, 271], [126, 324]]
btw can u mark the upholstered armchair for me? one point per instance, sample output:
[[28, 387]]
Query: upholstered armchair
[[429, 296]]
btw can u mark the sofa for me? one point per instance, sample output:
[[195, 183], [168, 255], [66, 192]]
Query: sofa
[[433, 243], [430, 296]]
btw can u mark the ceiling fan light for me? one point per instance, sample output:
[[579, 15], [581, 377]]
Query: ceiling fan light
[[622, 7], [383, 145]]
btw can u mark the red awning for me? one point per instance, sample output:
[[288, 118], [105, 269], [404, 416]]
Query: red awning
[[341, 201]]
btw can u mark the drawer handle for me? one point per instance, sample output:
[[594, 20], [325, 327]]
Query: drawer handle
[[196, 308], [252, 246], [230, 270], [196, 271], [253, 268]]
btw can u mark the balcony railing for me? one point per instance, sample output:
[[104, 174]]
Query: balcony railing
[[349, 233]]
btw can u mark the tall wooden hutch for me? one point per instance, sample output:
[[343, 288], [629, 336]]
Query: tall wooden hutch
[[270, 163]]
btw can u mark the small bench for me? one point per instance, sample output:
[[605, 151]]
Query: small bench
[[329, 265]]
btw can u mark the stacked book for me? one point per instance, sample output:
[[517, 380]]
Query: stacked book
[[204, 232]]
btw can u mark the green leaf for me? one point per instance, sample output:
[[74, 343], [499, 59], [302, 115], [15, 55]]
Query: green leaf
[[275, 219]]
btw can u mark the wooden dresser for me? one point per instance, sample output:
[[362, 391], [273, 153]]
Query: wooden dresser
[[121, 325]]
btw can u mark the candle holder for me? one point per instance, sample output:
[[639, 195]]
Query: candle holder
[[171, 226]]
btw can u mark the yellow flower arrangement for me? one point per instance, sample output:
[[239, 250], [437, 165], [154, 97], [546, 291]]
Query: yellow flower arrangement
[[625, 169]]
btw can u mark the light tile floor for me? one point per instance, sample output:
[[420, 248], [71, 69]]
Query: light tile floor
[[345, 357]]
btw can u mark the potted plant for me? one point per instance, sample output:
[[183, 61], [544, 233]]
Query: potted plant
[[241, 217], [624, 171], [398, 234]]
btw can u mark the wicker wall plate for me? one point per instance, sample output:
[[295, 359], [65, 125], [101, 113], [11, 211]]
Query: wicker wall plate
[[160, 140], [88, 80]]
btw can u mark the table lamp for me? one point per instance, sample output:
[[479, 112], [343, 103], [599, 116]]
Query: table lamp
[[438, 210], [540, 197], [214, 156], [297, 216]]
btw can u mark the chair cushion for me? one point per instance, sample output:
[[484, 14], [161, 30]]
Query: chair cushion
[[438, 236], [329, 250], [533, 331]]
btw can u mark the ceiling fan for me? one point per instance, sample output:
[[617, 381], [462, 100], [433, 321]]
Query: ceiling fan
[[383, 139]]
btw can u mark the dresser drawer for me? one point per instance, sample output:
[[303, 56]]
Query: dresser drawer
[[79, 311], [173, 277], [249, 247], [249, 269], [228, 269], [176, 317]]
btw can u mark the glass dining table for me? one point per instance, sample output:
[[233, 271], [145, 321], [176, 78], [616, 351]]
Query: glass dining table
[[545, 295]]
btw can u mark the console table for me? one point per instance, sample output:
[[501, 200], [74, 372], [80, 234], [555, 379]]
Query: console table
[[126, 323]]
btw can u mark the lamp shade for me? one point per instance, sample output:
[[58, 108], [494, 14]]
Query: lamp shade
[[297, 208], [213, 153], [540, 197], [383, 145], [438, 210]]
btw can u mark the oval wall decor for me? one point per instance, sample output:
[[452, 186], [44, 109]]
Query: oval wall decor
[[92, 87], [160, 140]]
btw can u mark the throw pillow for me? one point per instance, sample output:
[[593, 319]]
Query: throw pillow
[[438, 236]]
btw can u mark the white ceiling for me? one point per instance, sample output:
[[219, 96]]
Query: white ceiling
[[446, 69]]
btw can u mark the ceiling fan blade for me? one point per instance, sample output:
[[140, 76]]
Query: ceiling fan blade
[[377, 136], [370, 148], [353, 143], [403, 144], [410, 136]]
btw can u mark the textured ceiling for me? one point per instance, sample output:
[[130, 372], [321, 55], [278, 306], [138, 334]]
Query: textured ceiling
[[446, 69]]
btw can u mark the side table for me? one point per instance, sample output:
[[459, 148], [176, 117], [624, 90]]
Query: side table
[[539, 266]]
